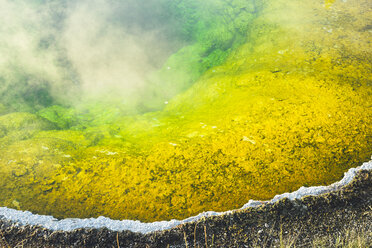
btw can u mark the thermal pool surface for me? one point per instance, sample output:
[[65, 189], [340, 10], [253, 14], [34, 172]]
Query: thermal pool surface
[[287, 104]]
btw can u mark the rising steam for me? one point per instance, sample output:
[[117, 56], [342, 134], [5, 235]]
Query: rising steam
[[64, 52]]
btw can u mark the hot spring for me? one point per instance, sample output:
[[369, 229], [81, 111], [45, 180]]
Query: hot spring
[[162, 109]]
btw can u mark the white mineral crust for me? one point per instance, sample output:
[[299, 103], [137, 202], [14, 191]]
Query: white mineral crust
[[49, 222]]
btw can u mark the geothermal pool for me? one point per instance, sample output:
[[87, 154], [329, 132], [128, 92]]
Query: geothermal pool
[[167, 109]]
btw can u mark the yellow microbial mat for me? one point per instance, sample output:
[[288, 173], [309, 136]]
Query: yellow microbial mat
[[289, 105]]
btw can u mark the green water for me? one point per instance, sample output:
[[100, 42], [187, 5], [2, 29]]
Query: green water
[[179, 107]]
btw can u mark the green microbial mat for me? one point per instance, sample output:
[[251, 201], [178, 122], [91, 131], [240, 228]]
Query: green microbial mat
[[165, 109]]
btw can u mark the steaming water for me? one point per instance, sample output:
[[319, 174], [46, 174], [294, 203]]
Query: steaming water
[[165, 109]]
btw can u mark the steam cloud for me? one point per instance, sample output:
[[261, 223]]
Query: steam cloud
[[66, 51]]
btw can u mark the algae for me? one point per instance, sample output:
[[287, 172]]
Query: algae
[[270, 101]]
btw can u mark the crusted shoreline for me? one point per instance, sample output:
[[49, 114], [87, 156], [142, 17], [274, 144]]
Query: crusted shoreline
[[302, 220]]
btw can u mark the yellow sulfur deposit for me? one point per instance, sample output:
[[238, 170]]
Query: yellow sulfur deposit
[[291, 107]]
